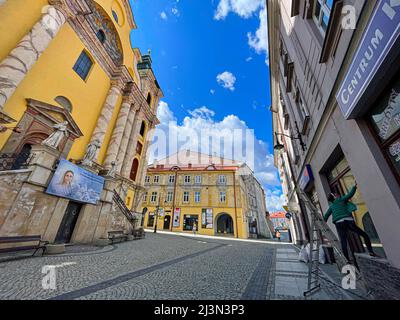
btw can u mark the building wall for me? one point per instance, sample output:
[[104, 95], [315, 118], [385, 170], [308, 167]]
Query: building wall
[[113, 93], [329, 130], [209, 190]]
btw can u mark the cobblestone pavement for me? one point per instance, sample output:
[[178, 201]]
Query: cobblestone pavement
[[163, 267]]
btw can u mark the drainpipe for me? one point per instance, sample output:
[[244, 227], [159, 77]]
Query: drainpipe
[[234, 198], [173, 201]]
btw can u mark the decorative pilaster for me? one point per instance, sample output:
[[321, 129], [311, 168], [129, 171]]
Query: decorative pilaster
[[125, 140], [118, 132], [131, 150], [106, 113], [17, 64]]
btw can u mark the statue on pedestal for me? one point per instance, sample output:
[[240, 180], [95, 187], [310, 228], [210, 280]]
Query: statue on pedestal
[[111, 172], [91, 152], [54, 140]]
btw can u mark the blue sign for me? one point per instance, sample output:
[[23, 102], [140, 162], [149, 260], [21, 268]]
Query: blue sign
[[380, 36], [306, 177], [74, 183]]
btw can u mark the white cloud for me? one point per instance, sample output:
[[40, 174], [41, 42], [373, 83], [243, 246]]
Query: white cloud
[[175, 12], [243, 8], [202, 118], [274, 200], [212, 91], [227, 80], [163, 15], [248, 59], [259, 41]]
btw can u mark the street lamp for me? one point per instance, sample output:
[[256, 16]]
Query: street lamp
[[279, 146], [157, 208]]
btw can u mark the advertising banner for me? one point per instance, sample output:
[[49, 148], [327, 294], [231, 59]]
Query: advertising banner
[[207, 218], [74, 183], [177, 217]]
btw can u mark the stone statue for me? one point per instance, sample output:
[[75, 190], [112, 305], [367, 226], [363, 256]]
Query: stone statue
[[111, 172], [91, 152], [54, 140]]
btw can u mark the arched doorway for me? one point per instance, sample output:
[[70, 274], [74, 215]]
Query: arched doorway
[[224, 224], [22, 157], [167, 222]]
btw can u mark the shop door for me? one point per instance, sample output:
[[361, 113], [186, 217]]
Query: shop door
[[167, 222], [189, 221], [68, 222]]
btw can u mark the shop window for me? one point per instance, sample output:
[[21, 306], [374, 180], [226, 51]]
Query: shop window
[[385, 122], [341, 180], [321, 14], [150, 221], [83, 65]]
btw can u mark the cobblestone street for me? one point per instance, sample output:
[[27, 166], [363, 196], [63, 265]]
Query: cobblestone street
[[164, 266]]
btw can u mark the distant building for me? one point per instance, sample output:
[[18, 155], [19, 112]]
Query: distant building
[[218, 196]]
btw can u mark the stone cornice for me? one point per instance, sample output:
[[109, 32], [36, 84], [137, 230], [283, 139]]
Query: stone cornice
[[129, 13]]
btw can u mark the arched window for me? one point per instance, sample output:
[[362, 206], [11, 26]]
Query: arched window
[[115, 15], [134, 169], [149, 99], [101, 36], [143, 129], [64, 102]]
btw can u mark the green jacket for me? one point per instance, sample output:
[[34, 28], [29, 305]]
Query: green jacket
[[341, 207]]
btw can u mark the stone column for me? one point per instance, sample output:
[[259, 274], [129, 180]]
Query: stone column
[[115, 142], [125, 139], [131, 150], [106, 113], [17, 64]]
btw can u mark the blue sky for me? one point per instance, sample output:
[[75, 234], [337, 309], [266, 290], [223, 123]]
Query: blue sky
[[210, 58]]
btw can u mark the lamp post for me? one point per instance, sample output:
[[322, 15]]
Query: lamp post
[[279, 146]]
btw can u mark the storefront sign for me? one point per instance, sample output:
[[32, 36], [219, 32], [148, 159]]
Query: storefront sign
[[306, 177], [74, 183], [177, 217], [380, 36]]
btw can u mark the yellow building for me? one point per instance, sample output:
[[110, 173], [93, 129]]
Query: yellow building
[[215, 195], [71, 63]]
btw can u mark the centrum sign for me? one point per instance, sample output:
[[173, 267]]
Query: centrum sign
[[378, 39]]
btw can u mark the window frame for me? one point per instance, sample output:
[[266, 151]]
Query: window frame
[[222, 196], [197, 196], [82, 68], [325, 10], [186, 197], [153, 197], [185, 180], [158, 179]]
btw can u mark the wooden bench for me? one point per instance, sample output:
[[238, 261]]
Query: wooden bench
[[117, 235], [37, 241], [139, 233]]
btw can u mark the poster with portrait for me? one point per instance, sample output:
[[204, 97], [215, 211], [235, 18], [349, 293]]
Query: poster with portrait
[[177, 217], [75, 183]]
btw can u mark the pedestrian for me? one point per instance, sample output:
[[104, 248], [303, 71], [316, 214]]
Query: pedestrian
[[278, 235], [341, 210], [194, 228]]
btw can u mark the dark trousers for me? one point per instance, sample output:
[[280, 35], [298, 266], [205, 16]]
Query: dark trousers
[[343, 228]]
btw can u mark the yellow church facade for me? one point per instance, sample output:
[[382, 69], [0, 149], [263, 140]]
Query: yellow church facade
[[193, 192], [71, 87]]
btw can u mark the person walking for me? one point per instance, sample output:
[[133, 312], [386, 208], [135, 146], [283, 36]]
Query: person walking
[[194, 228], [341, 210]]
